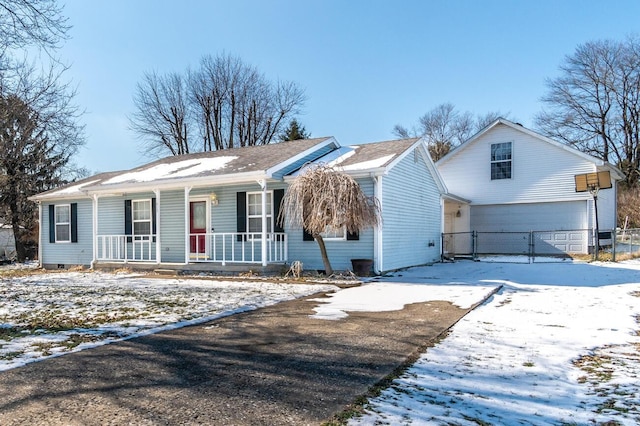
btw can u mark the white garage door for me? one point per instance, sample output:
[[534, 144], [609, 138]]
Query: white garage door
[[569, 215]]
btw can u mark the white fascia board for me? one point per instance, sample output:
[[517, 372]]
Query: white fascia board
[[330, 140], [50, 197], [236, 178], [451, 197], [356, 174]]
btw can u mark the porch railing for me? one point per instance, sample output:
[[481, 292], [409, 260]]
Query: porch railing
[[237, 247], [126, 248], [221, 247]]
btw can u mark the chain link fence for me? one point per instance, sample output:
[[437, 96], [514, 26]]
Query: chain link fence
[[543, 246]]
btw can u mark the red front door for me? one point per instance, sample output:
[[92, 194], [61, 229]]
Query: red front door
[[198, 225]]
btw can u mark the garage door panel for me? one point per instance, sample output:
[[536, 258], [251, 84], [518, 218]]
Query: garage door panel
[[559, 216]]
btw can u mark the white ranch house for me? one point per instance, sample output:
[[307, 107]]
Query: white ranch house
[[218, 210]]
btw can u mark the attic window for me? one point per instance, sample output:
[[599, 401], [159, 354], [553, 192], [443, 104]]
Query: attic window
[[501, 159]]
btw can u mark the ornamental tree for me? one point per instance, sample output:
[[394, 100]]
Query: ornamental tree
[[323, 198]]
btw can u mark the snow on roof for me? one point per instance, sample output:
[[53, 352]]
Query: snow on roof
[[75, 189], [370, 164], [178, 169]]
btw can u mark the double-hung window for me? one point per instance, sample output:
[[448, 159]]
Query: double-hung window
[[141, 217], [501, 160], [254, 212], [63, 223]]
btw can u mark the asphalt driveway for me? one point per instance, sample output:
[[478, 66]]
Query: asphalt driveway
[[275, 365]]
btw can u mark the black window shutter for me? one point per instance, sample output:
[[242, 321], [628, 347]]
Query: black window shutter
[[52, 223], [305, 235], [128, 226], [153, 218], [241, 212], [74, 222], [353, 236], [278, 194]]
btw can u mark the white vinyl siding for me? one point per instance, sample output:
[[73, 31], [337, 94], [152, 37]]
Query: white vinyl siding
[[80, 253], [340, 252], [541, 171], [172, 226], [411, 215]]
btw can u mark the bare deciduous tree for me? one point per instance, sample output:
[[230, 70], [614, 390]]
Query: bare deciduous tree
[[594, 105], [231, 103], [444, 128], [161, 117], [323, 198], [38, 137], [31, 23], [39, 132]]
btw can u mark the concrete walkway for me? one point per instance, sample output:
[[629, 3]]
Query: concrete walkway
[[275, 365]]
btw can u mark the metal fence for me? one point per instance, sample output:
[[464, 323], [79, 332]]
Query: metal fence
[[541, 246]]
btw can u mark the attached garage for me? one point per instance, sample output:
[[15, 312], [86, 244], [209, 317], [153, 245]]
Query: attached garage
[[560, 227], [559, 216]]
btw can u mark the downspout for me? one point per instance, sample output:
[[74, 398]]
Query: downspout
[[263, 185], [377, 235], [41, 238], [187, 237], [157, 219], [94, 206]]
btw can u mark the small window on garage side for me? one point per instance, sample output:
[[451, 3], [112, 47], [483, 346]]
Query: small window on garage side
[[501, 160]]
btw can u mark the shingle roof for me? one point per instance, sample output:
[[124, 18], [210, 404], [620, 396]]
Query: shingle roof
[[377, 154], [199, 165]]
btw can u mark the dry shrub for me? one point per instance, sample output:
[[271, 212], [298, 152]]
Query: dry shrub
[[629, 206]]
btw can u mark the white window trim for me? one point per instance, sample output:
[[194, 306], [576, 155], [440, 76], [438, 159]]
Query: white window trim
[[56, 223], [269, 214], [335, 238], [134, 221], [501, 161]]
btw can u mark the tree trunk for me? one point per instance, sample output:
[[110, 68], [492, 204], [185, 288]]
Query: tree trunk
[[328, 270]]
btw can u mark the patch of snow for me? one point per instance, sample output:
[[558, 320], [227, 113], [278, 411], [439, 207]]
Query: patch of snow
[[511, 360], [380, 297], [178, 169], [75, 189], [100, 308], [371, 164]]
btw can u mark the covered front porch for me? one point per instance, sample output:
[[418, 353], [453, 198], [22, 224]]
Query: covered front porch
[[218, 247], [214, 227]]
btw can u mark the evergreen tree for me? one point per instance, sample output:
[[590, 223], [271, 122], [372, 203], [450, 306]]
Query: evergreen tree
[[28, 165], [294, 132]]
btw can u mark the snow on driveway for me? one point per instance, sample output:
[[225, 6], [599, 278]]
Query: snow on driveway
[[558, 345]]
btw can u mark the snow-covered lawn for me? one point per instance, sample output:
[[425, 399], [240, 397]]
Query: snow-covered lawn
[[558, 345], [54, 313]]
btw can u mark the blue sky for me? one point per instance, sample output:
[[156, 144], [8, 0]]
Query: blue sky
[[365, 65]]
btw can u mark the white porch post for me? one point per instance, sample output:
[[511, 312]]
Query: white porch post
[[187, 239], [157, 220], [263, 184], [95, 230]]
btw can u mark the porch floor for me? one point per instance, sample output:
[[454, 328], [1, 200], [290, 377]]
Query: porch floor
[[194, 267]]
